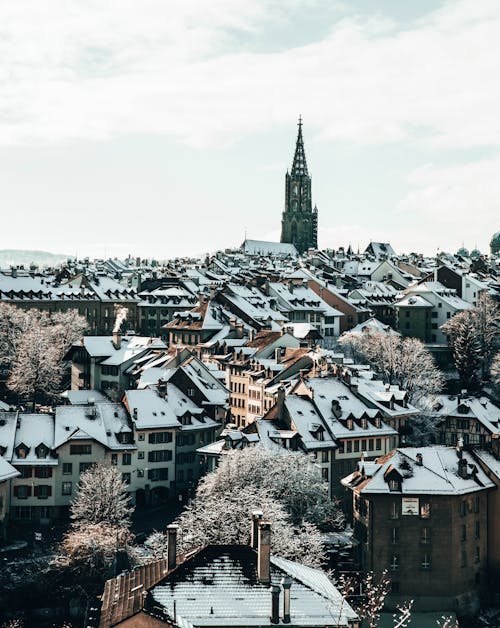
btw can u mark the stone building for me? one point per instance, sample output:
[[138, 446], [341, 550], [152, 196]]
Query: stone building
[[421, 514], [299, 224]]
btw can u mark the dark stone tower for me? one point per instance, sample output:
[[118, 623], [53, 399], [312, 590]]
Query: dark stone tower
[[299, 224]]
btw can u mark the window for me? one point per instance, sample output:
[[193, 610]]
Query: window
[[80, 450], [371, 443], [464, 559], [140, 473], [324, 474], [425, 535], [158, 474], [463, 533], [463, 508], [394, 535], [43, 491], [26, 472], [324, 456], [476, 503], [394, 563], [140, 455], [114, 459], [394, 485], [477, 530], [22, 491], [126, 459], [190, 392], [349, 446], [394, 512], [395, 588], [363, 444], [378, 444], [67, 468], [477, 555], [66, 488], [84, 466], [140, 436], [43, 472], [426, 561], [425, 510], [126, 478], [356, 445], [161, 455], [160, 437]]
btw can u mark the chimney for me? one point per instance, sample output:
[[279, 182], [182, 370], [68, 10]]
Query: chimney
[[275, 604], [264, 552], [420, 460], [257, 516], [172, 545], [117, 339], [161, 387], [286, 583], [462, 468], [460, 445]]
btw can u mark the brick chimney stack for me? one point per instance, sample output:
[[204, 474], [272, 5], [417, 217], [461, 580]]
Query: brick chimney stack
[[257, 516], [172, 545], [286, 583], [264, 552]]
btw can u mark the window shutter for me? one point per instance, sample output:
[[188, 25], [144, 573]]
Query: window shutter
[[49, 474], [35, 491], [49, 490], [16, 491], [37, 472]]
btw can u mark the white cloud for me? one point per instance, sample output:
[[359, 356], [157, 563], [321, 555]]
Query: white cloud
[[72, 69], [459, 202]]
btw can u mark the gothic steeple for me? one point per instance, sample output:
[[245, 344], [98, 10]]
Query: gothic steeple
[[299, 225], [299, 166]]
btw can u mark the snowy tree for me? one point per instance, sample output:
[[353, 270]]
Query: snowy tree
[[13, 322], [495, 373], [286, 486], [102, 498], [87, 554], [466, 352], [36, 347], [292, 478], [36, 367], [225, 520], [371, 602], [485, 320], [402, 361], [68, 327]]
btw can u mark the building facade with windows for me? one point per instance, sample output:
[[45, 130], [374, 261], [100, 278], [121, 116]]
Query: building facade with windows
[[422, 515]]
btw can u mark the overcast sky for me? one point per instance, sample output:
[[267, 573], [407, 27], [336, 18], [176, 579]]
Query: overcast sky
[[165, 127]]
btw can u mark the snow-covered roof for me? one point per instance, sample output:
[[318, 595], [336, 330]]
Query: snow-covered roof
[[101, 422], [438, 474], [263, 247]]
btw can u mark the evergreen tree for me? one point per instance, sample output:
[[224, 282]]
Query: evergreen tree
[[467, 353]]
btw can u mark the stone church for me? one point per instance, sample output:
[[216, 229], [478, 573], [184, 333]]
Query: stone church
[[299, 224]]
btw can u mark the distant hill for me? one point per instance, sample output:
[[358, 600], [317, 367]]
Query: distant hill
[[25, 258]]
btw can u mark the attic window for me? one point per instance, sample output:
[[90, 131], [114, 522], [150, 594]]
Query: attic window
[[394, 485], [22, 451], [41, 451], [299, 412]]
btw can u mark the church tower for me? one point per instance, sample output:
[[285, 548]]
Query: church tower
[[299, 224]]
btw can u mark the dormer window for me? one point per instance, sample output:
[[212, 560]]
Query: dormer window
[[41, 451], [22, 451], [350, 424], [364, 424], [186, 419]]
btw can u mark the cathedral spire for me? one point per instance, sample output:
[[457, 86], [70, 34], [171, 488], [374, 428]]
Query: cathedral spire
[[299, 166]]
